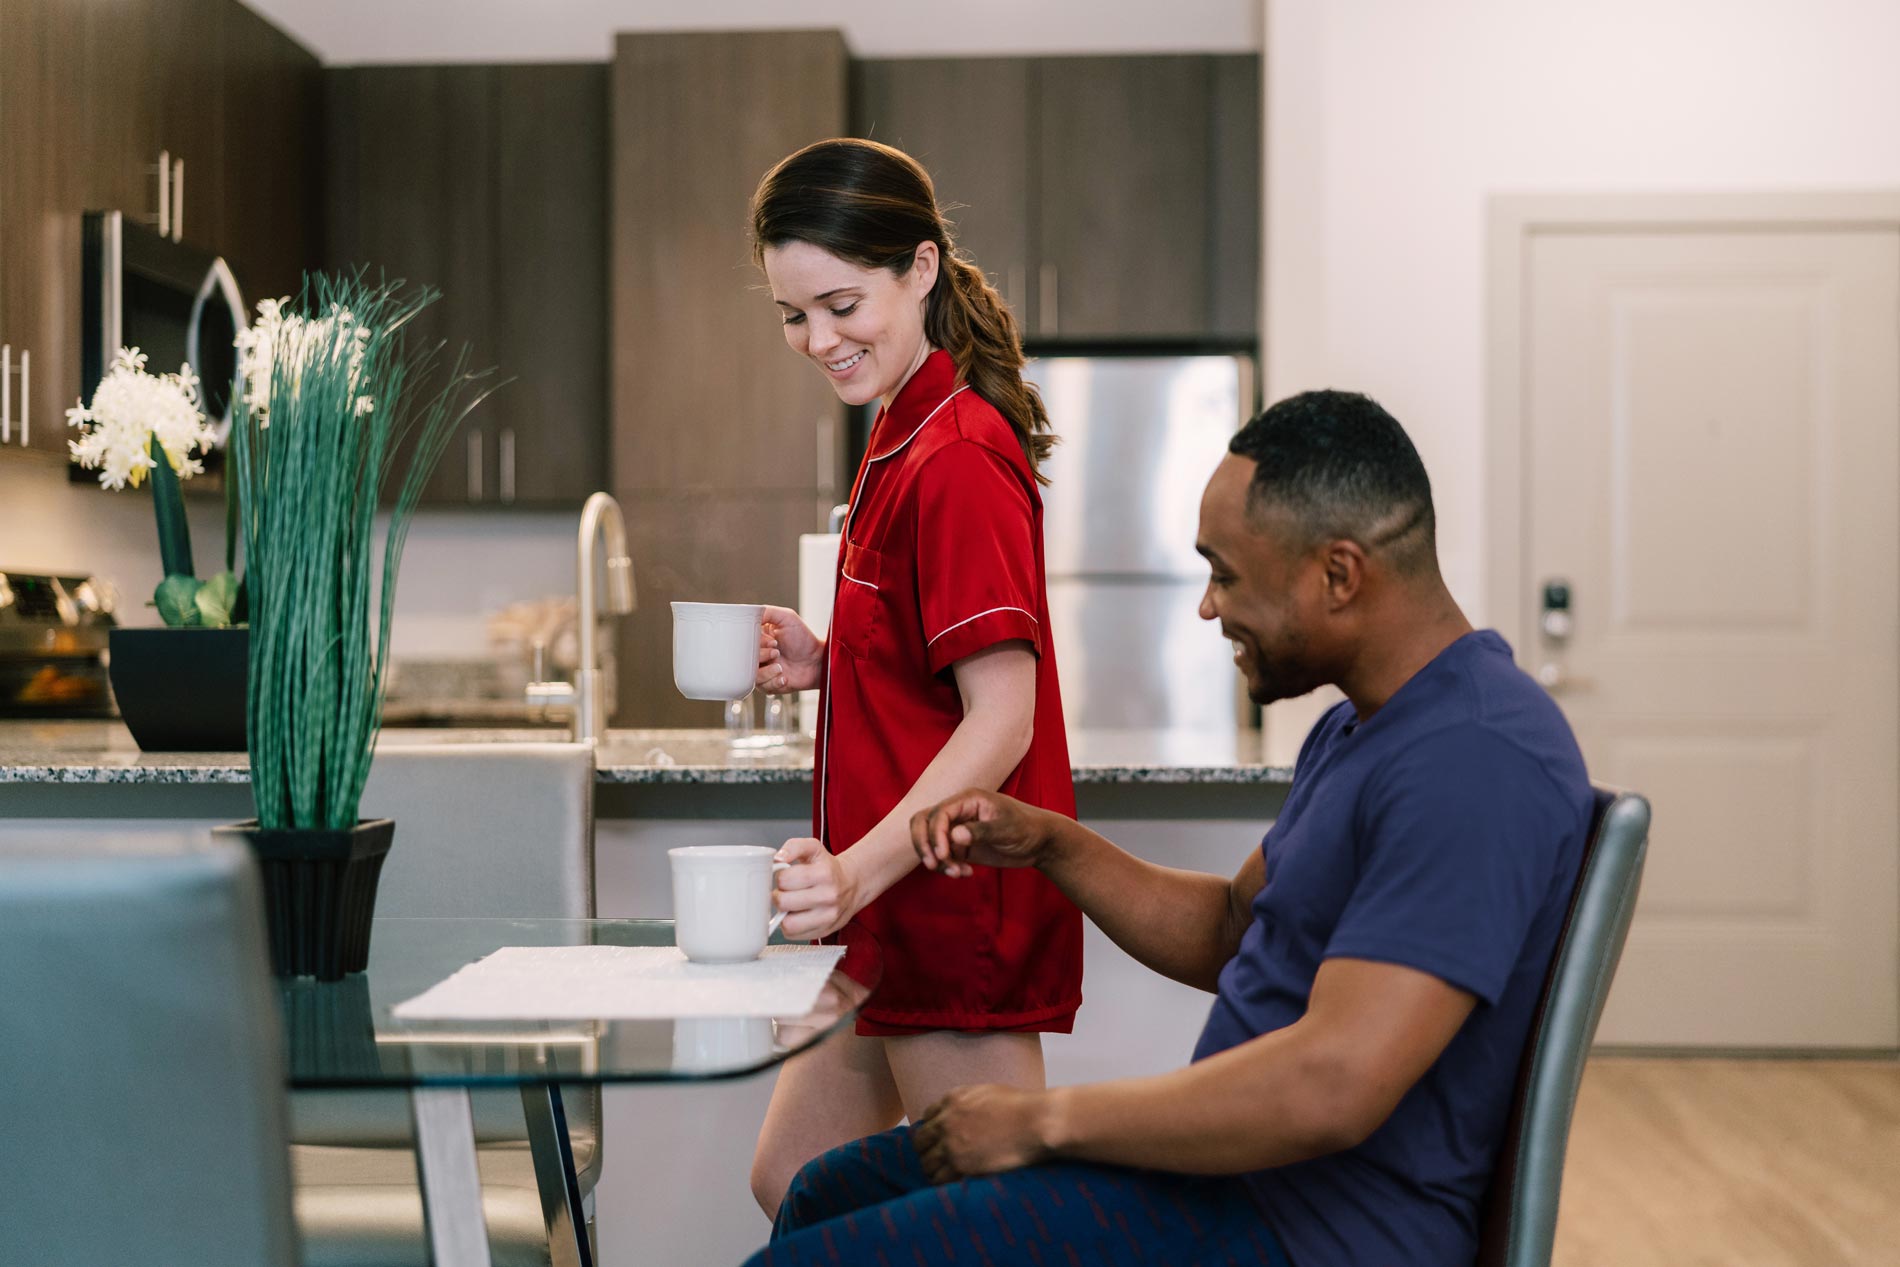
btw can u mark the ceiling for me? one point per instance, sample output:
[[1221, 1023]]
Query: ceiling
[[352, 32]]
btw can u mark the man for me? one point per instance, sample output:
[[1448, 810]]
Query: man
[[1375, 963]]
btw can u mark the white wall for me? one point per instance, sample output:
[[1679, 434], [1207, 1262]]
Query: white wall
[[1389, 122], [349, 32]]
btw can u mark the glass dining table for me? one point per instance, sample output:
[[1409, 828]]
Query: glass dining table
[[344, 1034]]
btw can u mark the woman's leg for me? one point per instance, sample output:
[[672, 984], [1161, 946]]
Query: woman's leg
[[928, 1067], [837, 1092]]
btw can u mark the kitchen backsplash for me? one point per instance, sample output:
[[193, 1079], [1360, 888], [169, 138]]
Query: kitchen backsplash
[[458, 567]]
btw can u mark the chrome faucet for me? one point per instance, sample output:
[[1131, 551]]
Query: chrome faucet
[[586, 693]]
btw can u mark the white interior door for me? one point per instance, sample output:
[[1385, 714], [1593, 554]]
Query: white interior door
[[1711, 438]]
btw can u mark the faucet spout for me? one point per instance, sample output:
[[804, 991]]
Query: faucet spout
[[600, 517]]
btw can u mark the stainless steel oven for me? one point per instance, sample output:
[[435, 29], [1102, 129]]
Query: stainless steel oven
[[53, 645]]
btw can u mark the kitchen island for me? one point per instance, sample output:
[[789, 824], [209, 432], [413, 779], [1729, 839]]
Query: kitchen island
[[675, 1166]]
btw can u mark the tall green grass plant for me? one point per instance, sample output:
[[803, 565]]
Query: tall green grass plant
[[339, 401]]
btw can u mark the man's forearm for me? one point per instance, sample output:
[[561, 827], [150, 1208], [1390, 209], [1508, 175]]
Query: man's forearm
[[1177, 923], [1268, 1103]]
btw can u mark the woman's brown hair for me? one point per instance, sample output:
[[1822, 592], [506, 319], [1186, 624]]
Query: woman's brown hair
[[874, 205]]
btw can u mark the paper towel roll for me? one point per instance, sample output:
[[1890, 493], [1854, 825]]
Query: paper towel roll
[[817, 578]]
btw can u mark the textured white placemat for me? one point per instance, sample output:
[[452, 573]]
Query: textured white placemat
[[577, 983]]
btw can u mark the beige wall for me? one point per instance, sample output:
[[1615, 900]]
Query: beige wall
[[1389, 122]]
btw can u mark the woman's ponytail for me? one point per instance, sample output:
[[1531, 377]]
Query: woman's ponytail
[[968, 319], [874, 205]]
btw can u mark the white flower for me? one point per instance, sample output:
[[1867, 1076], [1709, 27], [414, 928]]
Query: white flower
[[296, 341], [129, 410]]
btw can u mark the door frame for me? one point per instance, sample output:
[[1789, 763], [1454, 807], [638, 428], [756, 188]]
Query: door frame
[[1512, 223]]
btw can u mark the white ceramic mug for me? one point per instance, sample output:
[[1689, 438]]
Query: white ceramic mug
[[716, 649], [722, 901]]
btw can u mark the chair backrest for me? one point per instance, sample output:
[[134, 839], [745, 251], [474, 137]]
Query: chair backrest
[[486, 829], [142, 1110], [1520, 1214], [504, 829]]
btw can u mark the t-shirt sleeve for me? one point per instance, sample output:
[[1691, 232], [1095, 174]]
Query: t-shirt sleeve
[[976, 554], [1458, 843]]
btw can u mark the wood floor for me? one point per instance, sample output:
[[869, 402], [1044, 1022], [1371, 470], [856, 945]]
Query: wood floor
[[1733, 1163]]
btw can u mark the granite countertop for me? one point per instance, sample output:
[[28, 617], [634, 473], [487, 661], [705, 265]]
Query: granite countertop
[[103, 752]]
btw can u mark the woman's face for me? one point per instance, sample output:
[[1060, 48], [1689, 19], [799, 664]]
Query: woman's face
[[864, 327]]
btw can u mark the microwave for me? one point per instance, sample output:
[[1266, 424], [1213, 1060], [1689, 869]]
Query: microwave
[[174, 302]]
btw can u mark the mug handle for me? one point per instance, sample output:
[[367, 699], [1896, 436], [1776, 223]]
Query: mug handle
[[772, 925]]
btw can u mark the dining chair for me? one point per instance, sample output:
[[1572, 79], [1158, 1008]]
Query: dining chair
[[1520, 1214], [142, 1107], [492, 829]]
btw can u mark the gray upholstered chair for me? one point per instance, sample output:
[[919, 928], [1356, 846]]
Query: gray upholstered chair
[[1520, 1216], [142, 1115], [481, 829]]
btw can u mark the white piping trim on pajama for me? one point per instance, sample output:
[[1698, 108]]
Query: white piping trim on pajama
[[980, 615]]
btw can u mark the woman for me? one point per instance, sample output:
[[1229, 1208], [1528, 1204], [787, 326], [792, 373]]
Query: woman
[[938, 674]]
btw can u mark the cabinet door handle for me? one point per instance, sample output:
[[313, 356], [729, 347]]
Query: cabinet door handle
[[474, 466], [178, 199], [506, 445], [1048, 310], [26, 394], [164, 193], [6, 393], [827, 456]]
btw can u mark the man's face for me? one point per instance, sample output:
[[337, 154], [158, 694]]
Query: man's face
[[1264, 588]]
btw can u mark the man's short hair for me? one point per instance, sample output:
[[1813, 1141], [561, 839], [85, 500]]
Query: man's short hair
[[1345, 469]]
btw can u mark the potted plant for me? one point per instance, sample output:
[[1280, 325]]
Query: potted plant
[[336, 403], [179, 686]]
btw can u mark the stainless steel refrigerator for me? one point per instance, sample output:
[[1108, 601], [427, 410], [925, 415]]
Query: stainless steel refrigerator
[[1139, 437]]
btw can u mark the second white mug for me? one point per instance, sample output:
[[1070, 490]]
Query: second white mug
[[722, 901]]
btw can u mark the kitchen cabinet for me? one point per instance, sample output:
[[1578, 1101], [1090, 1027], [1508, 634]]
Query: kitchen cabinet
[[91, 92], [488, 183], [726, 445], [40, 51], [1133, 184]]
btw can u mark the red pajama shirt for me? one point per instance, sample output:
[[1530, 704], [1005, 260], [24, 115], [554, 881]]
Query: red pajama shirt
[[942, 558]]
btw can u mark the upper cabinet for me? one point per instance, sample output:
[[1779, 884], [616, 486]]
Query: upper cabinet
[[489, 183], [194, 117], [1108, 198]]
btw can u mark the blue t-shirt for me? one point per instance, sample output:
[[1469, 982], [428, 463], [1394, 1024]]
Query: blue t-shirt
[[1444, 833]]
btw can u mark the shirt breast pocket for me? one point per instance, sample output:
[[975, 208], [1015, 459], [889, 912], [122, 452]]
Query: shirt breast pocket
[[855, 608]]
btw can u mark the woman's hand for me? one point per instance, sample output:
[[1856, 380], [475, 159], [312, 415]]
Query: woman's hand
[[980, 1130], [818, 893], [791, 656], [978, 828]]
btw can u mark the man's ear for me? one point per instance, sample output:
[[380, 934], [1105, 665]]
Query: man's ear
[[1344, 570]]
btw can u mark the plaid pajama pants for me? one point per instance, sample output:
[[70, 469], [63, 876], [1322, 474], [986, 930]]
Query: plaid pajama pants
[[869, 1203]]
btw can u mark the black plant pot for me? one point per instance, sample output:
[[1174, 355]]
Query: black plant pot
[[319, 893], [182, 690]]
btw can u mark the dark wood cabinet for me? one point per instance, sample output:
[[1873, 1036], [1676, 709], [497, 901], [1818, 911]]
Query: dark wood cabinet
[[1121, 241], [271, 219], [91, 93], [488, 183], [726, 445], [40, 53], [1110, 198]]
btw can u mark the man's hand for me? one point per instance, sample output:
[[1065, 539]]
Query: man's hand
[[818, 893], [982, 1129], [978, 828]]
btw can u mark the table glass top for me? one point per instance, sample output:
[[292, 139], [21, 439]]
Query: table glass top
[[342, 1033]]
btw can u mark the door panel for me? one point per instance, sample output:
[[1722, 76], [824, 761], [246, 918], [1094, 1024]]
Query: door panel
[[1712, 464]]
